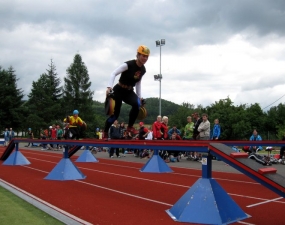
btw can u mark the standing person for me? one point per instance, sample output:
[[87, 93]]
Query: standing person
[[59, 135], [123, 135], [43, 136], [97, 133], [115, 134], [131, 74], [30, 136], [204, 128], [53, 132], [164, 127], [100, 134], [216, 130], [156, 128], [74, 121], [11, 134], [189, 128], [164, 135], [6, 137], [198, 120], [143, 131]]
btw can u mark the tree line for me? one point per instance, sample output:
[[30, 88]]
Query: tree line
[[50, 101]]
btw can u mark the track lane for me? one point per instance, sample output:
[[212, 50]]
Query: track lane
[[93, 178]]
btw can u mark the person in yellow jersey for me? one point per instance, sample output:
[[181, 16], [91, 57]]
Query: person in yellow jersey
[[131, 73], [73, 124]]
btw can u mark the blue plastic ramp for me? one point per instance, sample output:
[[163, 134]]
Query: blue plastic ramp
[[8, 150]]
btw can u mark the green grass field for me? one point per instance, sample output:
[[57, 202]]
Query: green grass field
[[14, 210]]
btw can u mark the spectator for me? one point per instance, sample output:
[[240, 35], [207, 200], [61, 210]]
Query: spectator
[[143, 131], [173, 130], [204, 128], [30, 136], [216, 130], [156, 129], [100, 134], [59, 135], [149, 135], [189, 128], [164, 134], [43, 135], [114, 134], [164, 127], [97, 133], [11, 134], [53, 132], [198, 120], [6, 137], [174, 154], [255, 137], [122, 131], [123, 135]]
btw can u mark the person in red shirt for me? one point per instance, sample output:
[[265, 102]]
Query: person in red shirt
[[164, 127], [156, 129]]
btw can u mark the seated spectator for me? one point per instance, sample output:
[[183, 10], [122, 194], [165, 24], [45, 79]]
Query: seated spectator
[[149, 135], [255, 137], [174, 155], [173, 130]]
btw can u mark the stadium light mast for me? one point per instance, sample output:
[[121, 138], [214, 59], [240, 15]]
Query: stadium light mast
[[158, 77]]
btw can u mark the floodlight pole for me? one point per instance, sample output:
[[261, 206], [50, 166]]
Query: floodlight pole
[[160, 81], [159, 44]]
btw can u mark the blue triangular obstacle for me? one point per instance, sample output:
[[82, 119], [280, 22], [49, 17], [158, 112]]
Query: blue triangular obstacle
[[65, 170], [206, 202], [156, 165], [86, 156], [16, 158]]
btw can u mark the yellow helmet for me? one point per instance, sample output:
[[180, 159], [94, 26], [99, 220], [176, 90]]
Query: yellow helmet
[[142, 49]]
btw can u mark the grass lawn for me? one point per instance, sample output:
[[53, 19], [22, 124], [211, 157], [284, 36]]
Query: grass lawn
[[14, 210]]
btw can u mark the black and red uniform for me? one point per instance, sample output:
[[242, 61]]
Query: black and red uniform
[[131, 75]]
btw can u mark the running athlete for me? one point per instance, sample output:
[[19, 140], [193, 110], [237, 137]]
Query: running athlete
[[131, 74], [73, 123]]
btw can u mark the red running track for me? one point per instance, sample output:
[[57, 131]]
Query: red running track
[[116, 192]]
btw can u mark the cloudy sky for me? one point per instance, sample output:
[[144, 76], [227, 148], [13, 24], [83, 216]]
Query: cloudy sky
[[214, 49]]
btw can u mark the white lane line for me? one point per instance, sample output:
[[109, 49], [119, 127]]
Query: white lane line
[[155, 181], [237, 195], [264, 202], [127, 194], [124, 193], [110, 189], [137, 178], [181, 174], [245, 223], [46, 203]]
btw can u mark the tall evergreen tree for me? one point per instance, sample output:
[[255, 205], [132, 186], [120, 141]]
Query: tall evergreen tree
[[11, 99], [45, 99], [77, 93]]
